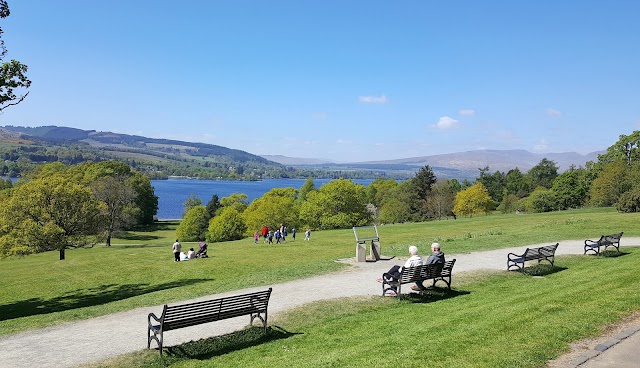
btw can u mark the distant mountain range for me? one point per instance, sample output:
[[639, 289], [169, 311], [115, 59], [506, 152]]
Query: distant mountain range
[[460, 165], [462, 162]]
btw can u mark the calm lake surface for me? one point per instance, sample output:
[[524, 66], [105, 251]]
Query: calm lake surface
[[173, 192]]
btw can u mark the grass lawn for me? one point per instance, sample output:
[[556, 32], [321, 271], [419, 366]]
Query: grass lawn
[[39, 290], [501, 319]]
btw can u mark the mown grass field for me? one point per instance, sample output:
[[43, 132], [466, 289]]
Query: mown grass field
[[502, 319], [39, 290]]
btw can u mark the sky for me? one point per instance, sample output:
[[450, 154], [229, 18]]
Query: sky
[[348, 81]]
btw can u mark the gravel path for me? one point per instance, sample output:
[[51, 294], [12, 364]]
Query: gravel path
[[75, 343]]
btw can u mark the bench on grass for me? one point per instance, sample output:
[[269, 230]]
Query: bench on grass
[[178, 316], [546, 253], [605, 241], [436, 272]]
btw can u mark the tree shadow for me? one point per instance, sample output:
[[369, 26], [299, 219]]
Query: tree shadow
[[433, 294], [542, 270], [126, 235], [208, 348], [84, 298]]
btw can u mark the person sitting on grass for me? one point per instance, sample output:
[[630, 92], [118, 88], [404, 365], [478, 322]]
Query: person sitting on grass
[[395, 271], [191, 254], [436, 257]]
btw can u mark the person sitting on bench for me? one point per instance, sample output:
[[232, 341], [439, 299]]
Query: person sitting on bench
[[436, 257], [395, 271]]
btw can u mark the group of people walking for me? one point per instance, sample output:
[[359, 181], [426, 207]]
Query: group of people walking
[[280, 235]]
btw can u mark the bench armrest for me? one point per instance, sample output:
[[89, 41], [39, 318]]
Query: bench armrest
[[591, 242], [515, 255], [153, 316]]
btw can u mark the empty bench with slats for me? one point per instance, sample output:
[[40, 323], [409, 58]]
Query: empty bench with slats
[[546, 253], [436, 272], [174, 317], [605, 241]]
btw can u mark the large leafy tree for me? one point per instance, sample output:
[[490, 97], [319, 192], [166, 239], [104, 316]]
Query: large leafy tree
[[610, 184], [305, 189], [396, 203], [277, 206], [626, 148], [45, 214], [440, 202], [517, 183], [338, 204], [118, 199], [495, 183], [473, 200], [13, 79], [571, 188], [543, 174]]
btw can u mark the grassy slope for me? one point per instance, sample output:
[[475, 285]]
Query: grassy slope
[[40, 291], [495, 320]]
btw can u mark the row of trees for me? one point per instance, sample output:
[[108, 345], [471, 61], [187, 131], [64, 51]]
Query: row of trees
[[613, 180], [59, 207]]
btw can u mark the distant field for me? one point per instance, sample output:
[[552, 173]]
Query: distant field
[[138, 270]]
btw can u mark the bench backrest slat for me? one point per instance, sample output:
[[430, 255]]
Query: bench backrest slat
[[184, 315], [425, 272], [610, 239]]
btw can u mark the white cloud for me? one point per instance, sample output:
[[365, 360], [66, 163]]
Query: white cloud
[[467, 112], [446, 122], [373, 99], [541, 147], [553, 112], [343, 141]]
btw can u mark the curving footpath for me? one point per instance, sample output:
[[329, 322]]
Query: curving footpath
[[75, 343]]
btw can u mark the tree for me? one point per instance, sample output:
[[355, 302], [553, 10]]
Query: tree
[[610, 184], [277, 206], [473, 200], [338, 204], [629, 201], [227, 225], [517, 183], [193, 226], [423, 181], [118, 199], [191, 202], [212, 207], [495, 183], [305, 189], [571, 188], [395, 204], [235, 200], [47, 214], [13, 76], [440, 202], [626, 148], [543, 174]]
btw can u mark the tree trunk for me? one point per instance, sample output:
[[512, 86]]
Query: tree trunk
[[108, 240], [62, 254]]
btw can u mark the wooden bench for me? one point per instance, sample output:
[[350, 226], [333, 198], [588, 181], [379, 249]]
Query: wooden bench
[[546, 253], [178, 316], [436, 272], [605, 241]]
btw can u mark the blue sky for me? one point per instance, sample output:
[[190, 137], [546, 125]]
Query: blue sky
[[343, 80]]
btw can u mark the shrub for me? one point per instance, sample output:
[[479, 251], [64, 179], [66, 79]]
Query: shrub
[[228, 225], [629, 201]]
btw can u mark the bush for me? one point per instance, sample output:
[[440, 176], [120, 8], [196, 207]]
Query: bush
[[228, 225], [541, 200], [194, 225], [629, 201]]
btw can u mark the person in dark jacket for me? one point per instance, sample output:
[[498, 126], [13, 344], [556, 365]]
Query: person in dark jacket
[[436, 257]]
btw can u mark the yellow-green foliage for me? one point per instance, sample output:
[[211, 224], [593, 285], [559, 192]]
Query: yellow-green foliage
[[472, 201]]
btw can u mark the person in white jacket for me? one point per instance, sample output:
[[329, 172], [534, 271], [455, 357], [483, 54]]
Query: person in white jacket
[[395, 271]]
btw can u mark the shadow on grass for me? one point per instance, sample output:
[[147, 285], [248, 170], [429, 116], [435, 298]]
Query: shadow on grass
[[612, 253], [215, 346], [433, 294], [157, 226], [84, 298], [125, 235], [542, 270]]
